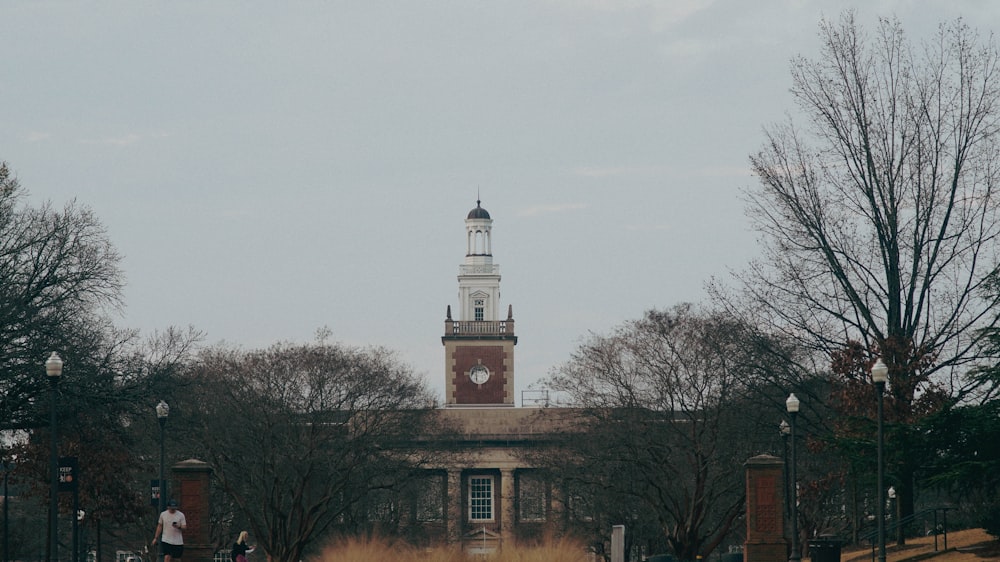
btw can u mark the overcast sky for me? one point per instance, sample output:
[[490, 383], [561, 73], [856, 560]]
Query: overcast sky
[[271, 168]]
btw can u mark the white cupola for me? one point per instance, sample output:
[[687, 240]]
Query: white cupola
[[479, 277]]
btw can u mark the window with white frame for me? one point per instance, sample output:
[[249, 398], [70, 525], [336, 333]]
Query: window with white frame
[[480, 310], [480, 498]]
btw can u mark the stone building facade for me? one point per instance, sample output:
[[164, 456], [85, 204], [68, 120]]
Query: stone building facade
[[491, 493]]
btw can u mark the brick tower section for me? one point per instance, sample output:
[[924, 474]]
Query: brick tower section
[[191, 484], [494, 391], [765, 511], [486, 343]]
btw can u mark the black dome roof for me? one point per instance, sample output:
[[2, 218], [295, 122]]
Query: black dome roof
[[478, 212]]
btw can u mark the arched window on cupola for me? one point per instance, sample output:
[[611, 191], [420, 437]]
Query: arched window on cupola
[[480, 242]]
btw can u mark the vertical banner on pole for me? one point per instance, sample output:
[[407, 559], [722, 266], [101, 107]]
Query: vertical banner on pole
[[154, 492], [69, 479], [68, 474]]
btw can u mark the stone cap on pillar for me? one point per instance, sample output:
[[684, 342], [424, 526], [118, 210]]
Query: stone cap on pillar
[[764, 460], [192, 465]]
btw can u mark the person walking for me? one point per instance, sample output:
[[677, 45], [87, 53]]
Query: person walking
[[240, 548], [170, 533]]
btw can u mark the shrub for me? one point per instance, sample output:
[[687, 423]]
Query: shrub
[[990, 521]]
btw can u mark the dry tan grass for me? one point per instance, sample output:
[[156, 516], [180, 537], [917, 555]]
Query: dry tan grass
[[972, 545], [380, 550]]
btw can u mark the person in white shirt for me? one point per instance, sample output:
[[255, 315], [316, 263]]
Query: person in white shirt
[[169, 531]]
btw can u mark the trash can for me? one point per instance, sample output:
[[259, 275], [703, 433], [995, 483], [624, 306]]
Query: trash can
[[825, 548]]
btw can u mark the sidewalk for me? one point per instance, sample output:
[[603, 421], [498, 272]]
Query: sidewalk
[[972, 545]]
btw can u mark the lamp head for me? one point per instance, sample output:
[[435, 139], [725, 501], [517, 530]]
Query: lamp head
[[784, 428], [880, 372], [792, 404], [162, 410], [53, 366], [892, 492]]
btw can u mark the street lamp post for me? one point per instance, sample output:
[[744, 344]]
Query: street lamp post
[[880, 374], [6, 512], [162, 411], [894, 512], [80, 516], [53, 368], [785, 430], [792, 405]]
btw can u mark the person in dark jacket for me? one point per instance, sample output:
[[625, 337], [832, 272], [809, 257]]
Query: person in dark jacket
[[241, 548]]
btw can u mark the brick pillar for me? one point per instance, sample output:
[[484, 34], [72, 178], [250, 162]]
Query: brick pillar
[[765, 511], [191, 489], [507, 506], [453, 507]]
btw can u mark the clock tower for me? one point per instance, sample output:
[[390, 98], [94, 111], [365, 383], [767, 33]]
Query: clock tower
[[479, 346]]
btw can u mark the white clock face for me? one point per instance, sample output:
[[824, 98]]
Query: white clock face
[[479, 374]]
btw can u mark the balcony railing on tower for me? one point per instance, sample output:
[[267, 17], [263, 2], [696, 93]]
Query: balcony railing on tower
[[479, 328]]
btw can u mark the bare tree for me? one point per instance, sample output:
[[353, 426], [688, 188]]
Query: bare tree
[[879, 214], [59, 282], [298, 434], [664, 405], [111, 384], [58, 273]]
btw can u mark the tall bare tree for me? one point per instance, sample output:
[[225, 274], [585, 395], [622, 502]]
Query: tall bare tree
[[878, 208], [299, 434], [60, 282], [58, 274], [663, 403]]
